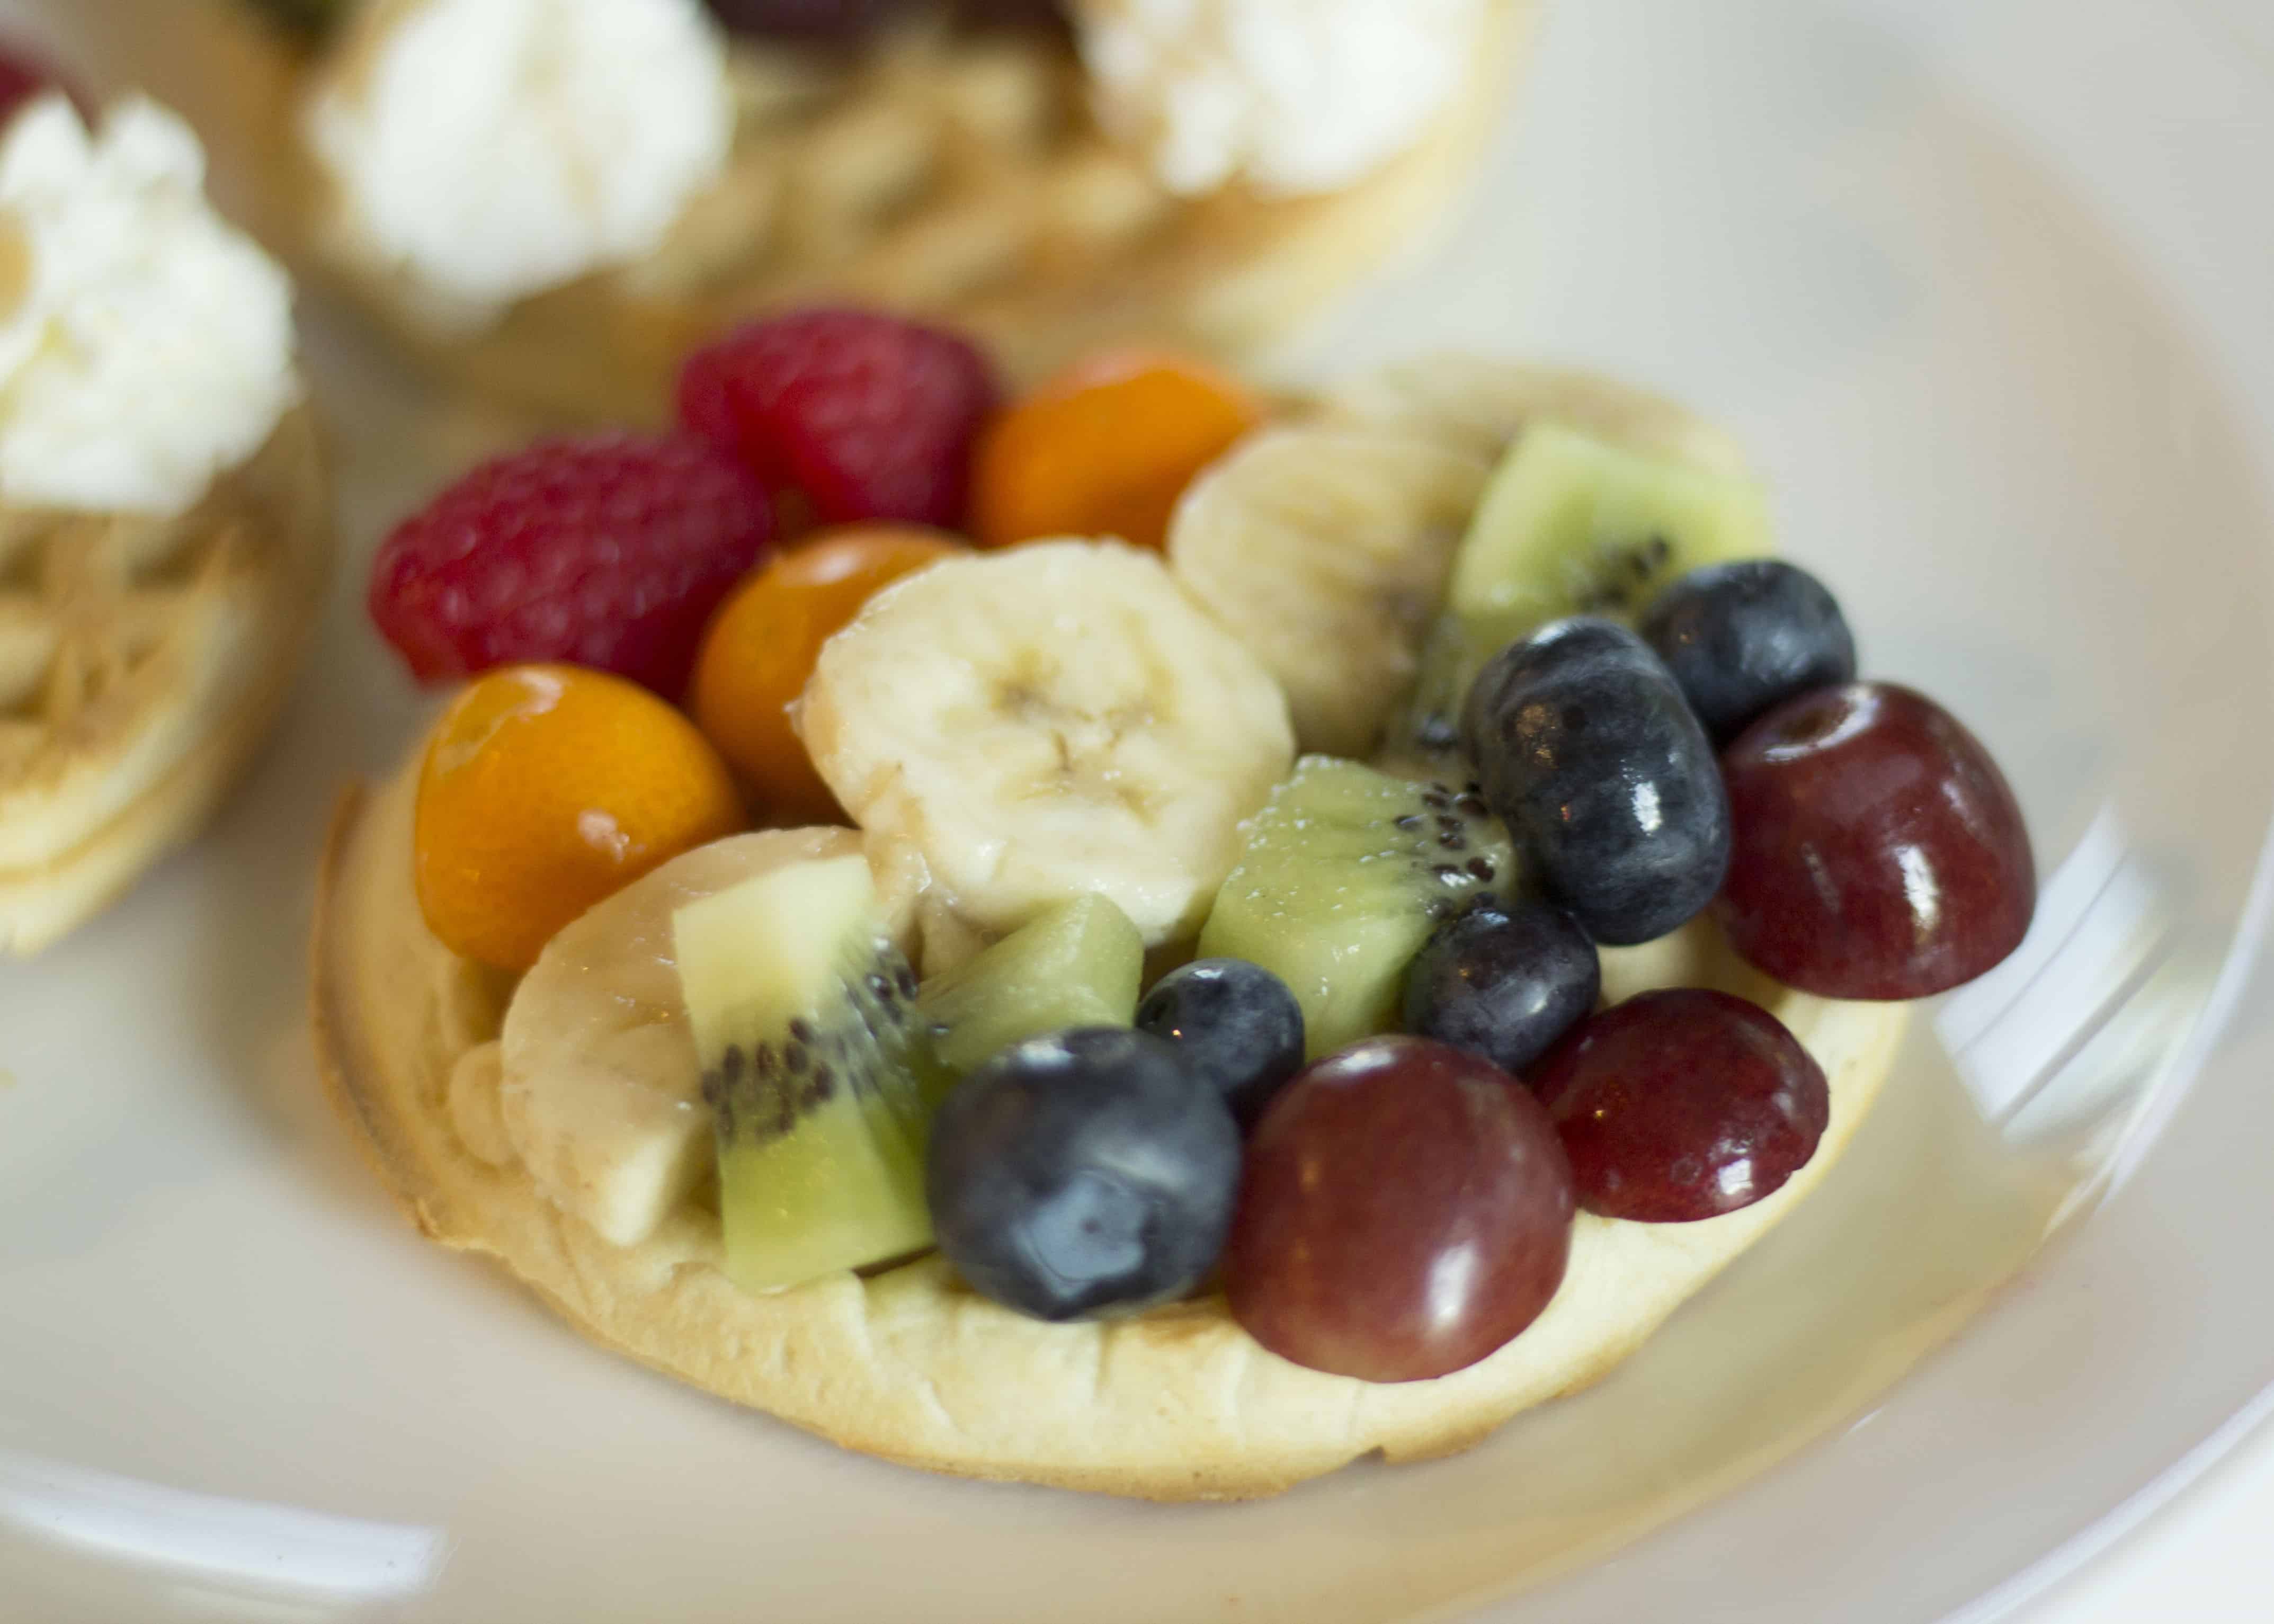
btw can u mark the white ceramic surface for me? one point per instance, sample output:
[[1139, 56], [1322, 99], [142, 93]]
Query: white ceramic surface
[[1983, 281]]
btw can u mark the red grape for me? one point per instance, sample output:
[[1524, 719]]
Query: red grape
[[1879, 852], [1405, 1209], [1682, 1104]]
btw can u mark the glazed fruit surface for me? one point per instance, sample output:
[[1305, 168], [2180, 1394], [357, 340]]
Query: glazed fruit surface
[[1879, 854], [759, 651], [1584, 746], [1406, 1209], [865, 415], [1105, 449], [1682, 1104], [1503, 981], [545, 789], [1084, 1173], [609, 552]]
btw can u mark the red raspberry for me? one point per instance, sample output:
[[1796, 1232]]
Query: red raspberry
[[872, 417], [610, 553]]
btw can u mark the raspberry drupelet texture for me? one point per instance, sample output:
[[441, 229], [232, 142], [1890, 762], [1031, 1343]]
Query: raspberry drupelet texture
[[871, 417], [609, 551]]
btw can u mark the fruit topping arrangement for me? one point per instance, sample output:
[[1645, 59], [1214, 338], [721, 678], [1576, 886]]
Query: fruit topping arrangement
[[1239, 813]]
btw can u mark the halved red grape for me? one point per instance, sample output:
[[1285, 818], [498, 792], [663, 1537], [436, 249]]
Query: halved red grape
[[1404, 1210], [1878, 852], [1682, 1104]]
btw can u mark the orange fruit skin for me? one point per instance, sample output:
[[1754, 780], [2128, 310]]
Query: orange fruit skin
[[1105, 449], [546, 789], [759, 652]]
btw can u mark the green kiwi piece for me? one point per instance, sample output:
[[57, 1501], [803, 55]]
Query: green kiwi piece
[[1570, 524], [1078, 965], [816, 1070], [1344, 876]]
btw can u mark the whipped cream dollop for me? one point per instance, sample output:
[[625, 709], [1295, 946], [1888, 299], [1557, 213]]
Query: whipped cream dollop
[[146, 345], [490, 149], [1290, 95]]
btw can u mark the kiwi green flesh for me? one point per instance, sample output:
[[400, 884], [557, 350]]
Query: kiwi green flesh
[[1344, 876], [1077, 965], [1569, 524], [822, 1102]]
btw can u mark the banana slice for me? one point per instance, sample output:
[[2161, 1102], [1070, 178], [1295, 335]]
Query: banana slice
[[1045, 721], [1326, 551], [600, 1094], [1476, 405]]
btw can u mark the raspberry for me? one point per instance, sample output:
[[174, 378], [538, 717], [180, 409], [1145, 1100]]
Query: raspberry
[[872, 417], [609, 551]]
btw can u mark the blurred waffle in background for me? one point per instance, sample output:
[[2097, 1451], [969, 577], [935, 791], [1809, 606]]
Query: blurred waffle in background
[[164, 526], [1047, 181]]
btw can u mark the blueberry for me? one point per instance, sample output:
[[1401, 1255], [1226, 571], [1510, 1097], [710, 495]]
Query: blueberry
[[1586, 749], [1083, 1173], [1741, 637], [1235, 1024], [1503, 981]]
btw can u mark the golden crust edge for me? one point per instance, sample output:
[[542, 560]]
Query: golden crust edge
[[670, 1318], [41, 905]]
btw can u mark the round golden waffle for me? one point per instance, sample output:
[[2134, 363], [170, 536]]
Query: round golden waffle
[[142, 661], [957, 177], [1176, 1403]]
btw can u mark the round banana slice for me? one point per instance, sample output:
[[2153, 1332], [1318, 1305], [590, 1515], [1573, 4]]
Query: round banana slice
[[1477, 405], [1046, 721], [1326, 550]]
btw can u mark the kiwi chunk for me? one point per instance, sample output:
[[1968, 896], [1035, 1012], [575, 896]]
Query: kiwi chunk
[[1570, 524], [816, 1071], [1077, 965], [1345, 874]]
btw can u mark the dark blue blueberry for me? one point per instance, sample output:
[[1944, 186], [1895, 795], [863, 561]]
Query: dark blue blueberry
[[1084, 1173], [1586, 749], [1235, 1023], [1503, 981], [1741, 637]]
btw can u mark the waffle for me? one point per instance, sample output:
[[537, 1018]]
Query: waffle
[[1174, 1404], [141, 661], [957, 177]]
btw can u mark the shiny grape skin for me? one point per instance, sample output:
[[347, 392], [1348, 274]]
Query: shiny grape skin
[[1083, 1174], [1741, 637], [1879, 853], [1585, 747], [1503, 979], [1234, 1023], [1405, 1210], [1682, 1104]]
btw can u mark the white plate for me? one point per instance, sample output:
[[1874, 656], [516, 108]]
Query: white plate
[[1984, 282]]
